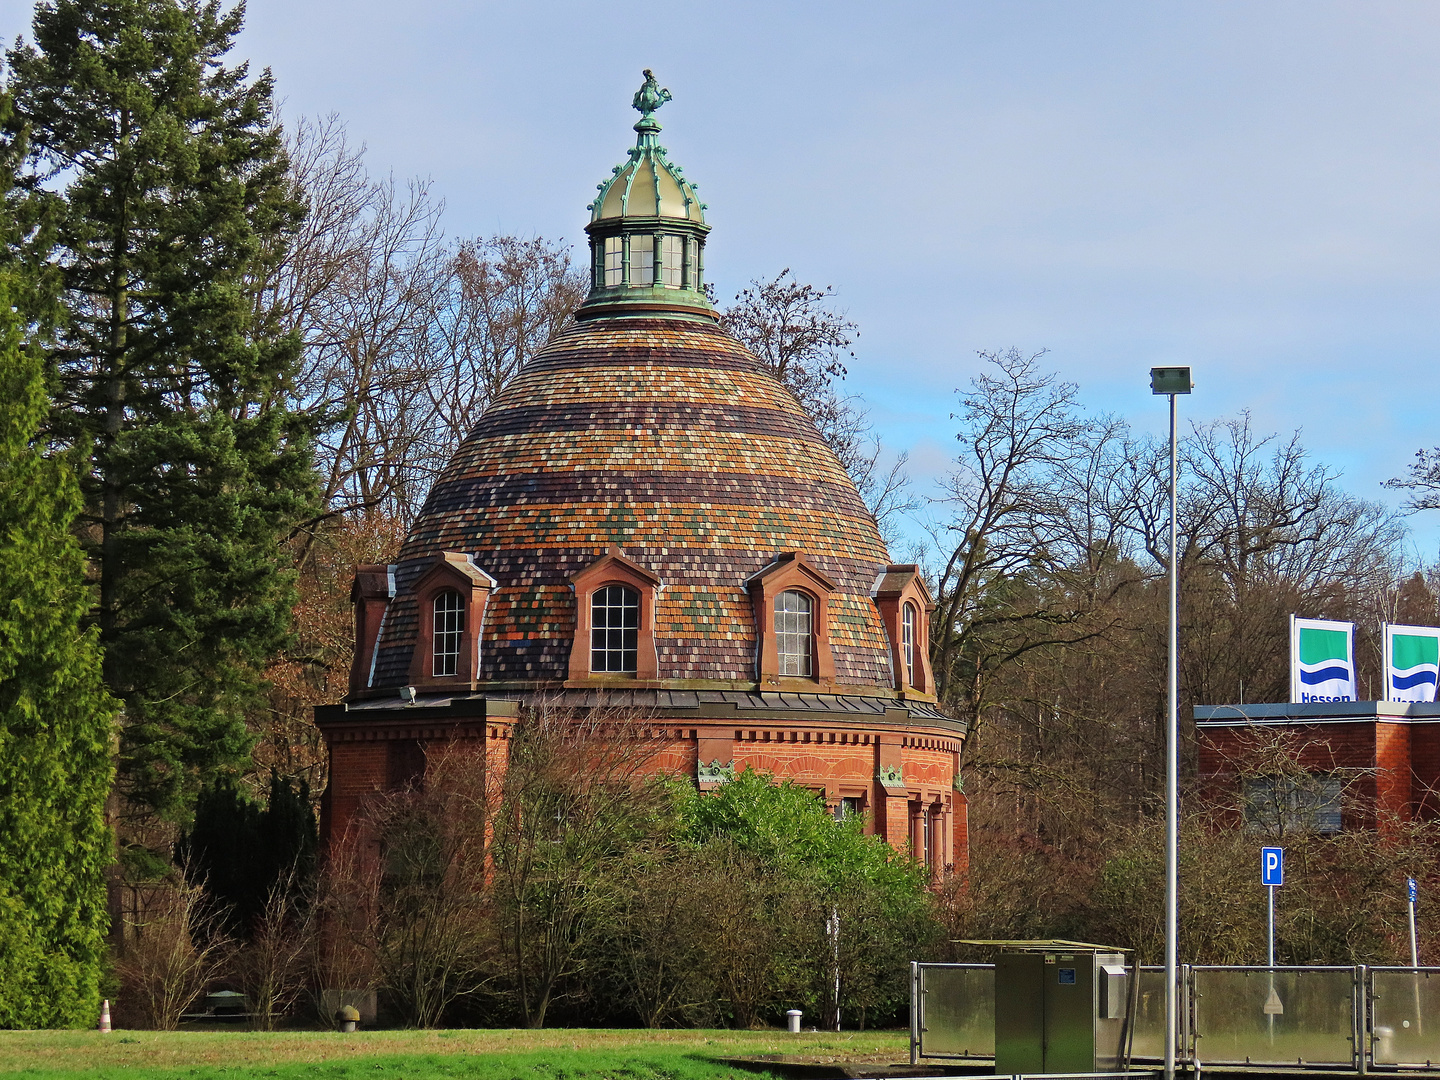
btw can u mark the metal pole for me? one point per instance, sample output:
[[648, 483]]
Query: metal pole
[[1414, 945], [1415, 962], [1270, 951], [914, 1012], [1172, 780]]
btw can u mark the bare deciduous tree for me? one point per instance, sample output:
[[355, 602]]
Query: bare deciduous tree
[[407, 887], [494, 306], [272, 966], [174, 950], [791, 326], [1266, 532], [576, 797], [1035, 503], [406, 337]]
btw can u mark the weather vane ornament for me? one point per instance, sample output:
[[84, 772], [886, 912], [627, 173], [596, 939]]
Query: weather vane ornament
[[647, 99]]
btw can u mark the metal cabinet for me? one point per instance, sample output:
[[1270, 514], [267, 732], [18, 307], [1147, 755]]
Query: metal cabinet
[[1059, 1008]]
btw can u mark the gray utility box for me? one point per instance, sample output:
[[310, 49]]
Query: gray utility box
[[1059, 1007]]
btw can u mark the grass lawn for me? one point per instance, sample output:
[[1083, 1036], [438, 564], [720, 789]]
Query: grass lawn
[[559, 1054]]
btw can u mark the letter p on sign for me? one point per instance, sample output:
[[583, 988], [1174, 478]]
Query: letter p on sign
[[1272, 866]]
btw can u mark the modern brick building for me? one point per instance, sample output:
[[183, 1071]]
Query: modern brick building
[[646, 515], [1360, 764]]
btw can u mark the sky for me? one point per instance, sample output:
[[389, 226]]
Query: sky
[[1252, 189]]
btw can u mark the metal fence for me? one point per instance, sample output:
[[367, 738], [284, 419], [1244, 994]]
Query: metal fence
[[1361, 1018]]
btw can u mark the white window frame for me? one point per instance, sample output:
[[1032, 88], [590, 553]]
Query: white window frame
[[447, 633], [615, 642], [795, 634]]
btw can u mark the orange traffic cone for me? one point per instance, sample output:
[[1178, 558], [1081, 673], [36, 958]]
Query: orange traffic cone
[[105, 1015]]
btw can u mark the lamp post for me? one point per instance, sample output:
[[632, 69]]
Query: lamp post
[[1172, 381]]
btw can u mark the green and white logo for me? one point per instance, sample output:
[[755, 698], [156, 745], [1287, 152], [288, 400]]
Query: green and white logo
[[1412, 662], [1322, 660]]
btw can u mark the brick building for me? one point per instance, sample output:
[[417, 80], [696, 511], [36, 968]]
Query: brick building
[[1349, 765], [646, 515]]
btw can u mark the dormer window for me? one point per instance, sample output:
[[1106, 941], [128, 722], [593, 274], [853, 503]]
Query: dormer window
[[615, 600], [614, 630], [794, 618], [672, 270], [447, 634], [904, 605], [790, 598], [907, 641], [450, 601]]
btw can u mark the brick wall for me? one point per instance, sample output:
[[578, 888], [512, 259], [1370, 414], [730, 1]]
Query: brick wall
[[1374, 758]]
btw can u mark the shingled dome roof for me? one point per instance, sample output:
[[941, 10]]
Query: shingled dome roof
[[650, 433]]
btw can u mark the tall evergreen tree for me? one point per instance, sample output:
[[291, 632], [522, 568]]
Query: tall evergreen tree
[[241, 851], [172, 185], [56, 719]]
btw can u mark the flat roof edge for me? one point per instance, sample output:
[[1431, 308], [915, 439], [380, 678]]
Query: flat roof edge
[[1315, 712]]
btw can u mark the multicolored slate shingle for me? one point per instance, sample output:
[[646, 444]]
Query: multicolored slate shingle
[[663, 436]]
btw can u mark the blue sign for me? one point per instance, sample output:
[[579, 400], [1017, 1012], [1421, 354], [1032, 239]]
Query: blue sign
[[1067, 976], [1414, 890], [1272, 866]]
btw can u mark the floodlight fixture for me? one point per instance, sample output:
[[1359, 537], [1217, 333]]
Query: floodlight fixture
[[1170, 380]]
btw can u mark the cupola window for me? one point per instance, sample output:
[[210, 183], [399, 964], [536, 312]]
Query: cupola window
[[907, 642], [673, 268], [614, 630], [642, 261], [793, 612], [614, 261], [449, 631]]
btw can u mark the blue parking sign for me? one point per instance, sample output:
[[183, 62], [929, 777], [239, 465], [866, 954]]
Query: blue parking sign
[[1413, 889], [1272, 866]]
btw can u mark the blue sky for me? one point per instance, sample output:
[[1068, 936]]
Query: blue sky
[[1249, 188]]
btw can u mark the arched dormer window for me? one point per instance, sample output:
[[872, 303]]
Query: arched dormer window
[[614, 630], [904, 605], [448, 611], [790, 600], [615, 600], [794, 634], [450, 601], [907, 641]]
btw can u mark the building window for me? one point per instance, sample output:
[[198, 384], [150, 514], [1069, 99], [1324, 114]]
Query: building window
[[614, 261], [449, 629], [642, 261], [614, 629], [1277, 805], [697, 265], [851, 806], [907, 642], [792, 633], [672, 269]]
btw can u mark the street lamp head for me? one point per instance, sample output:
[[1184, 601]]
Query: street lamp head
[[1170, 380]]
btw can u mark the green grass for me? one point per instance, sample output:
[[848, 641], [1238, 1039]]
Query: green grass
[[560, 1054]]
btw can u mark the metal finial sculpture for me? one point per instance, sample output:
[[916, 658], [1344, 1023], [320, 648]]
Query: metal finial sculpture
[[649, 97]]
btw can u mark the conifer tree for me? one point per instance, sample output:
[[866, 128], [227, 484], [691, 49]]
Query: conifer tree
[[56, 719], [172, 179]]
